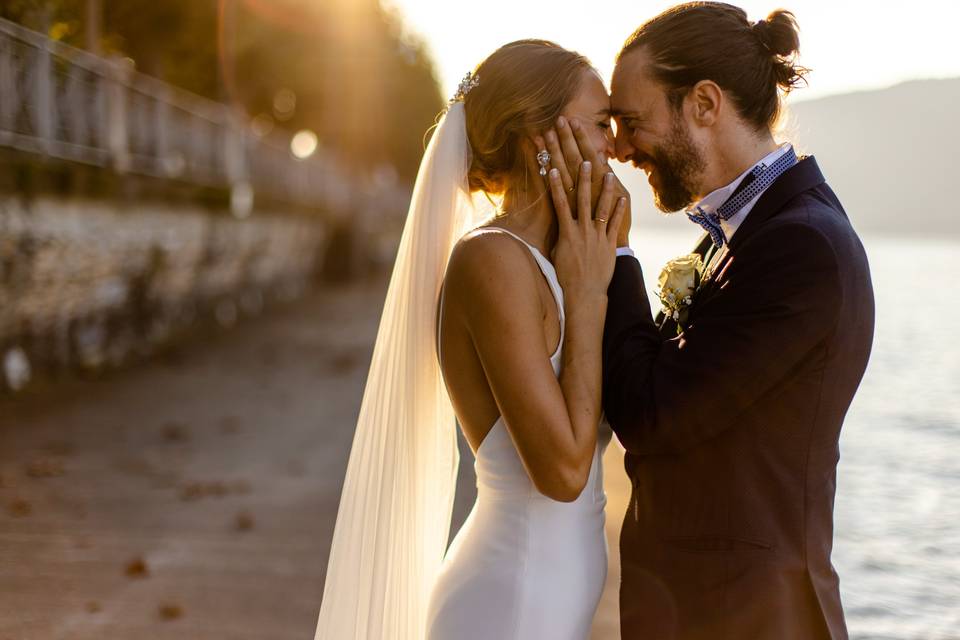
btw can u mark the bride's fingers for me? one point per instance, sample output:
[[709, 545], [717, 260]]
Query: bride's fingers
[[560, 203], [605, 202], [557, 159], [613, 228], [585, 146], [584, 195], [568, 144]]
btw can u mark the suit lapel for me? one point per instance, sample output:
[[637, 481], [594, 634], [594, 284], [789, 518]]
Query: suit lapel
[[803, 176]]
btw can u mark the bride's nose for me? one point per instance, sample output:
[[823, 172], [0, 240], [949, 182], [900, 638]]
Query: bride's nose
[[609, 145]]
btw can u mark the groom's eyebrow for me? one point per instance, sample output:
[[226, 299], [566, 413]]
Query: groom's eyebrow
[[605, 113]]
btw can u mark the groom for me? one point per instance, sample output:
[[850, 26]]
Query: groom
[[730, 410]]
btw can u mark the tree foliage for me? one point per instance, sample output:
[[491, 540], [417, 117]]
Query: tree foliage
[[344, 69]]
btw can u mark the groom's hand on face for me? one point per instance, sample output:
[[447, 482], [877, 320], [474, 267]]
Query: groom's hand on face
[[569, 145]]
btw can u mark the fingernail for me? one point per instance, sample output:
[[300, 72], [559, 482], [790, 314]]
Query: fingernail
[[575, 124], [607, 179], [561, 122], [554, 173], [551, 136], [587, 166]]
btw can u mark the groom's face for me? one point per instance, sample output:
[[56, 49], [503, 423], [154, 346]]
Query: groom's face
[[653, 134]]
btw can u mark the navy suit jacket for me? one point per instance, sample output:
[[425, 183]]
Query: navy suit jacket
[[731, 429]]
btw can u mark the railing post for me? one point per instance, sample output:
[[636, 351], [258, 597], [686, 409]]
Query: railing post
[[43, 104], [235, 168], [116, 93]]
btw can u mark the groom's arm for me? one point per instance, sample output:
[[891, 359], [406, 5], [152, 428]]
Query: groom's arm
[[781, 300]]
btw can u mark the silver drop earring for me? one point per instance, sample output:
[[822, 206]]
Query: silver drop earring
[[543, 159]]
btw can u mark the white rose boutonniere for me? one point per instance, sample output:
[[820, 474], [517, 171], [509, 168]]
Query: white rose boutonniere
[[678, 282]]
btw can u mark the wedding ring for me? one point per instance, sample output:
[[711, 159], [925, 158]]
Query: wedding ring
[[603, 220], [570, 190]]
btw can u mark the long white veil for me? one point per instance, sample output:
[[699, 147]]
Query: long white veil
[[397, 499]]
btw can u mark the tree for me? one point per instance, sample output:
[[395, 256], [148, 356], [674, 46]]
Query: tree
[[368, 90]]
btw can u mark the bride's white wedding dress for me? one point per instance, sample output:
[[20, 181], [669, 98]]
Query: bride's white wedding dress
[[523, 566]]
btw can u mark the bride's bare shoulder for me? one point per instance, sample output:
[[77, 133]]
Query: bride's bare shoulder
[[490, 265]]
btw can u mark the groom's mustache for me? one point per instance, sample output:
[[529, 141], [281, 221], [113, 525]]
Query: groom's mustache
[[639, 159]]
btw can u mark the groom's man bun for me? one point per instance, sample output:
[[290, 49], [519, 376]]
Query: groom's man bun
[[751, 62]]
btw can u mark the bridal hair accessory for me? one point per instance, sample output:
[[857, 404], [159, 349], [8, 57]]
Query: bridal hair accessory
[[543, 159], [469, 82]]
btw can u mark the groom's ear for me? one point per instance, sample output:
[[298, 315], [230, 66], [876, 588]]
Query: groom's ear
[[705, 102]]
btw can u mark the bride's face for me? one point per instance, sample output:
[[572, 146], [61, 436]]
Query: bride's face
[[591, 106]]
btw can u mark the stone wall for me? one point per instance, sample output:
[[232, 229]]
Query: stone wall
[[92, 284]]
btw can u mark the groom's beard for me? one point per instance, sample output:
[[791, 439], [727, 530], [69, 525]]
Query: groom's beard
[[676, 164]]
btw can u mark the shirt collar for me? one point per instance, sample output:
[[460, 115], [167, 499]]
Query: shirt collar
[[717, 197]]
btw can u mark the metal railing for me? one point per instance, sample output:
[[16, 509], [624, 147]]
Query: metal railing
[[63, 102]]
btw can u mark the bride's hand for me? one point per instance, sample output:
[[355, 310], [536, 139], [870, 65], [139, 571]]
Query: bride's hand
[[569, 145], [585, 253]]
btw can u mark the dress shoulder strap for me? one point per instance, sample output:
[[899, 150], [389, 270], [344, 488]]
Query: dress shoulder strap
[[550, 273]]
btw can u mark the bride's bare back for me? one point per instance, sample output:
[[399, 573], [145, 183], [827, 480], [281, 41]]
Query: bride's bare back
[[499, 324]]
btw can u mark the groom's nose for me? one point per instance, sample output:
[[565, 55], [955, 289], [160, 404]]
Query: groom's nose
[[623, 147]]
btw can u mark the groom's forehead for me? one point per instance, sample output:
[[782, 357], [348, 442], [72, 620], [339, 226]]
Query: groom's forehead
[[632, 86], [631, 65]]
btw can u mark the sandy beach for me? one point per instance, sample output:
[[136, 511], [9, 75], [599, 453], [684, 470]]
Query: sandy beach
[[195, 496]]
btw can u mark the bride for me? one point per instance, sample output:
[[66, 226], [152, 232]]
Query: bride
[[477, 329]]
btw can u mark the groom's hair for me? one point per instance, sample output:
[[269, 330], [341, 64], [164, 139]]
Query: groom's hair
[[715, 41]]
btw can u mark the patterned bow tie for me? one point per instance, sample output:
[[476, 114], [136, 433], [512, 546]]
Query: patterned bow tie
[[755, 183]]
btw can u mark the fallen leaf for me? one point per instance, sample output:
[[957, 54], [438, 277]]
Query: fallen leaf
[[244, 521], [60, 447], [20, 508], [45, 468], [170, 611], [137, 568], [175, 432]]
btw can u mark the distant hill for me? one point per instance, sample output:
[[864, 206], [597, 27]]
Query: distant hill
[[892, 155]]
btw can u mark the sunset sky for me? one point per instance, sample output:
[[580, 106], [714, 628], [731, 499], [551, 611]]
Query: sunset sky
[[849, 45]]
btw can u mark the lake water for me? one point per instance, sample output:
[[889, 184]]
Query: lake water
[[897, 544]]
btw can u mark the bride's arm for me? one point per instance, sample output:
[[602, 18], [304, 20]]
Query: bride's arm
[[492, 288]]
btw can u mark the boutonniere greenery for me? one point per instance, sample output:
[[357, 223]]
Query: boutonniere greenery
[[678, 283]]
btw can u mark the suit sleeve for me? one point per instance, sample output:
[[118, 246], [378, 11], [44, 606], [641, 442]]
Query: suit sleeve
[[779, 299]]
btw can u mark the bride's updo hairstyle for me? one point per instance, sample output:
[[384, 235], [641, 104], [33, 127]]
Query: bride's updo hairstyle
[[523, 88], [751, 62]]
